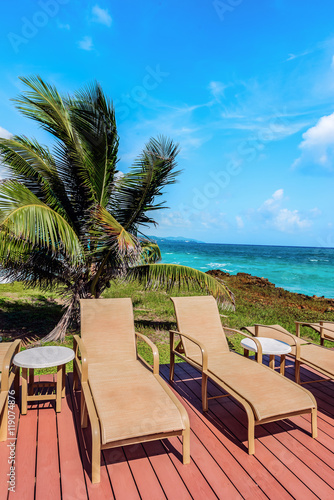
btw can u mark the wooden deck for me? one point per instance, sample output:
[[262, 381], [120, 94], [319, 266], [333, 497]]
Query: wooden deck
[[52, 460]]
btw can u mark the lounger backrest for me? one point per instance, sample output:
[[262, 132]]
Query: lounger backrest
[[107, 329], [199, 318]]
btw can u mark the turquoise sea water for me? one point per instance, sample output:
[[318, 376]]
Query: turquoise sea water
[[297, 269]]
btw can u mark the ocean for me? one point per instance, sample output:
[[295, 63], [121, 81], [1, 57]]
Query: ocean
[[297, 269]]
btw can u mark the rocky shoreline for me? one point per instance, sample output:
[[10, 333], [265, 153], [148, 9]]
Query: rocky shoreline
[[256, 289]]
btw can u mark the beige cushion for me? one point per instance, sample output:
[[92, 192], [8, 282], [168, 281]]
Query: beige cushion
[[130, 402], [318, 357], [269, 393]]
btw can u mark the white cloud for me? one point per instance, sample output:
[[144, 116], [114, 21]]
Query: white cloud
[[217, 89], [280, 218], [240, 222], [273, 203], [101, 16], [318, 146], [288, 221], [86, 43], [5, 134]]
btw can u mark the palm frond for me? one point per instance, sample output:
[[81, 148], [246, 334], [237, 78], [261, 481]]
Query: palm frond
[[25, 217], [114, 236], [150, 252], [136, 191], [171, 276], [93, 117], [34, 166]]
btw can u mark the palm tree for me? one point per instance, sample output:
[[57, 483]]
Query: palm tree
[[68, 218]]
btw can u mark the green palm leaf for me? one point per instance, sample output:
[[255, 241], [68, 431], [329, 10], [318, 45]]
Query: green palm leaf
[[136, 191], [25, 217], [150, 252], [172, 275]]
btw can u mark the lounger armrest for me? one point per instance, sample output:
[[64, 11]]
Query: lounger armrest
[[318, 327], [257, 343], [199, 344], [154, 351], [81, 362], [295, 342], [7, 363]]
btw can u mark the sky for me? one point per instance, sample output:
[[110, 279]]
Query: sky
[[246, 87]]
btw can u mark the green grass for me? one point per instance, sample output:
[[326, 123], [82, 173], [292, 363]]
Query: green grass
[[33, 313]]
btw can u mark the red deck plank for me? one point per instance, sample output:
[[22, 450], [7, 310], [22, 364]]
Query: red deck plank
[[73, 484], [192, 477], [143, 473], [168, 476], [122, 481], [47, 475]]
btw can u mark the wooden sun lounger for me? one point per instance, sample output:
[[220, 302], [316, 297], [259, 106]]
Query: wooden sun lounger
[[126, 402], [305, 352], [265, 395], [9, 374]]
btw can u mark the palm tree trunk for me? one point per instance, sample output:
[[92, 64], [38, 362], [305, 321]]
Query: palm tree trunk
[[59, 331]]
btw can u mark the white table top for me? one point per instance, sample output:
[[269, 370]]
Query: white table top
[[269, 346], [43, 357]]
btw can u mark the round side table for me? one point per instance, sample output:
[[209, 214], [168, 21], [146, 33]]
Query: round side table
[[270, 346], [42, 357]]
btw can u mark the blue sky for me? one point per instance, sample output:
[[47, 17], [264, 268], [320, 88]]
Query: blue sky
[[245, 87]]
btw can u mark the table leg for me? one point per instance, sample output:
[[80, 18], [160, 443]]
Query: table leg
[[246, 353], [272, 361], [63, 381], [59, 388], [282, 365], [24, 391], [31, 381]]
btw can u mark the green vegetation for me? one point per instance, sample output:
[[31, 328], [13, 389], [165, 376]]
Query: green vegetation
[[31, 313]]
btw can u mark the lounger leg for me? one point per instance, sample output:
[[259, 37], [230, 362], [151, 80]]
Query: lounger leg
[[83, 411], [314, 423], [75, 378], [186, 445], [204, 392], [96, 456], [251, 435], [171, 366], [3, 421], [282, 365], [297, 371]]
